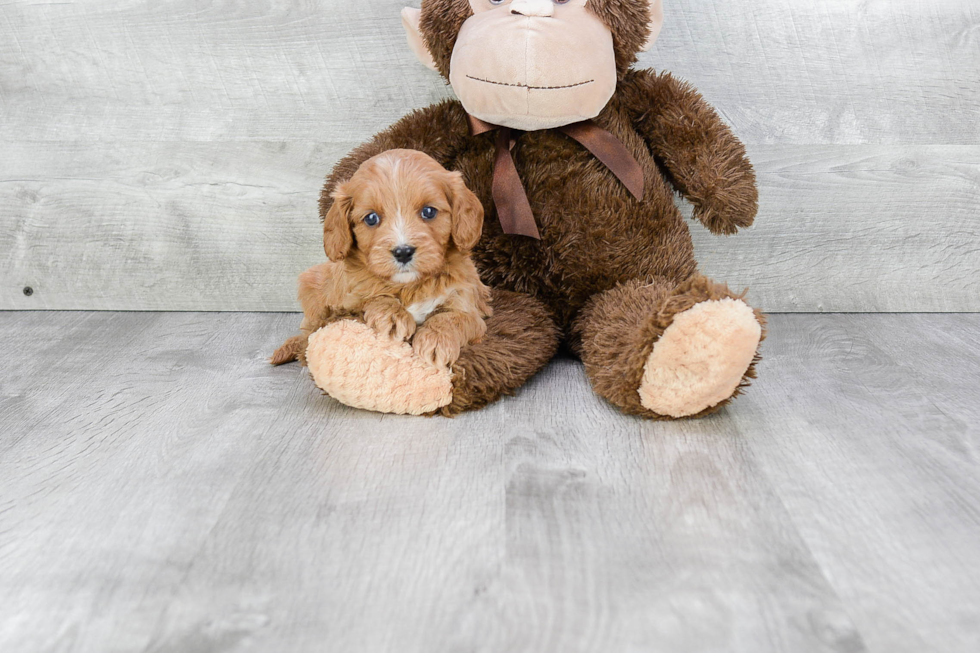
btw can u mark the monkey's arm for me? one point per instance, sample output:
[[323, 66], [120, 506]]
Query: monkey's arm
[[703, 158], [439, 130]]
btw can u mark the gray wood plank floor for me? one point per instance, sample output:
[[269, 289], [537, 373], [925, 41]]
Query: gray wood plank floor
[[163, 489]]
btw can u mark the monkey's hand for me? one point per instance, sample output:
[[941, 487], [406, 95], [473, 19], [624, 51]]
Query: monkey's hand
[[731, 203]]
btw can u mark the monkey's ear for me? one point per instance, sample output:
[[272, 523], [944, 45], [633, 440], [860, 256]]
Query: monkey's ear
[[656, 22], [338, 237], [410, 19]]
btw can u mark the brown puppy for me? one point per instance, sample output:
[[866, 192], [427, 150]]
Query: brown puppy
[[398, 237]]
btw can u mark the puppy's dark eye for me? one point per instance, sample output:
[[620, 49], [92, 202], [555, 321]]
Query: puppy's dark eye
[[372, 219], [429, 213]]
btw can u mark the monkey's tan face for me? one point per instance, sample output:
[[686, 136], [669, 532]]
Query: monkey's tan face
[[533, 64]]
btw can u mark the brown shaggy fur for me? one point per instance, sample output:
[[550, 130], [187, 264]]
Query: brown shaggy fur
[[610, 270], [521, 339], [616, 331]]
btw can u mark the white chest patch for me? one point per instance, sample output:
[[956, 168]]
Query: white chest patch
[[422, 310]]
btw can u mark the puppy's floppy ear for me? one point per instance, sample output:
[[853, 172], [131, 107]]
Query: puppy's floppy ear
[[467, 214], [338, 237]]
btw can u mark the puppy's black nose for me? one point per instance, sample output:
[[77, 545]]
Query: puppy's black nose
[[403, 253]]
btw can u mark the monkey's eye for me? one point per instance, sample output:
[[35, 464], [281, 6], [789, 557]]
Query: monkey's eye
[[372, 219], [500, 2], [561, 2], [429, 213]]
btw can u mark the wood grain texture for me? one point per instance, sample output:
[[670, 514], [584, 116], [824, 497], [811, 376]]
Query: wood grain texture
[[838, 72], [158, 226], [899, 72], [204, 501], [185, 70], [885, 494], [168, 156], [229, 226]]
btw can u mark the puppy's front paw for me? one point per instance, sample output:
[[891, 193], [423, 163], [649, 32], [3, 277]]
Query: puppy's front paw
[[391, 321], [433, 346]]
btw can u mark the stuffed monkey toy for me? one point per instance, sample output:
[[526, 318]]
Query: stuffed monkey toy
[[576, 158]]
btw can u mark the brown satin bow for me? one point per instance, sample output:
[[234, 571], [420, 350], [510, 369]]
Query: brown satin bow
[[509, 195]]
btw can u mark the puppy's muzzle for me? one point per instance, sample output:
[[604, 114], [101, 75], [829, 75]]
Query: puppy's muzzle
[[403, 254]]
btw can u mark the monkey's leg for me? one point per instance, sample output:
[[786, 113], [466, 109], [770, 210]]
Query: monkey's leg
[[669, 351], [521, 338], [361, 369]]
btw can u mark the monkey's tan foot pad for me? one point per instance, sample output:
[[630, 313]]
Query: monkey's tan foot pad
[[359, 368], [701, 358]]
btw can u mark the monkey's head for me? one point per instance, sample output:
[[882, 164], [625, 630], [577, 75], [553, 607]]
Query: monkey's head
[[532, 64]]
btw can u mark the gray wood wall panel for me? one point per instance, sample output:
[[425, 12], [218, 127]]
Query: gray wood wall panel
[[228, 226], [781, 71], [168, 155]]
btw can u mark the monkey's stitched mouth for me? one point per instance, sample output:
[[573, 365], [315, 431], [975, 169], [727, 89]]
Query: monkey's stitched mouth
[[532, 88]]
